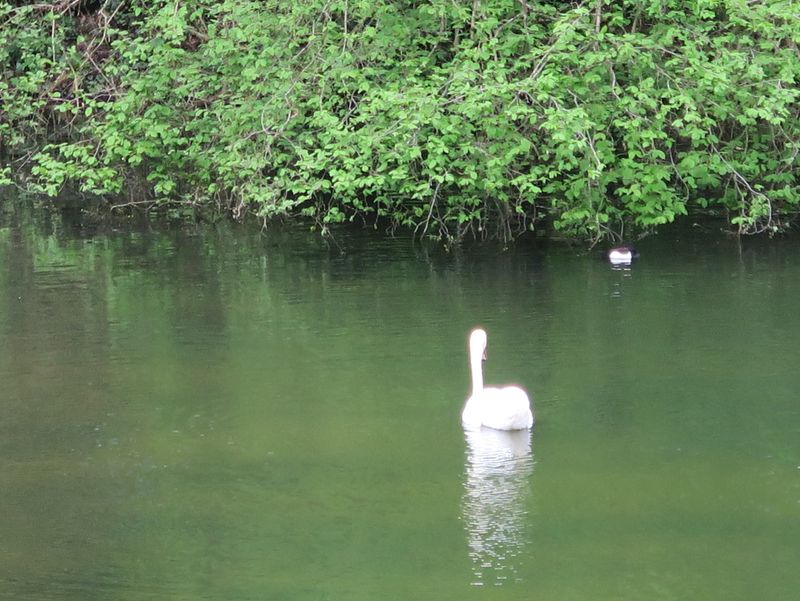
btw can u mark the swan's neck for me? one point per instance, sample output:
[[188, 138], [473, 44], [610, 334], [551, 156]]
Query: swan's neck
[[476, 365]]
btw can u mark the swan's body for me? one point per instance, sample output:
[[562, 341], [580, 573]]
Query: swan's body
[[622, 255], [506, 408]]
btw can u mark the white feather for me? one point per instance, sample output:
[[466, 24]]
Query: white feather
[[618, 257], [506, 408]]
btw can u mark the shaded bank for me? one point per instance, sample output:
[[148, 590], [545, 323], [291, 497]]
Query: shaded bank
[[448, 119]]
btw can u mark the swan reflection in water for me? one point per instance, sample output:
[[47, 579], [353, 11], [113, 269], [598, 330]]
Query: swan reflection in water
[[496, 487]]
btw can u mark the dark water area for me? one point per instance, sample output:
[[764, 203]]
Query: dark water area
[[214, 412]]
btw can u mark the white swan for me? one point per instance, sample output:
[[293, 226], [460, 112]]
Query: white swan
[[505, 408]]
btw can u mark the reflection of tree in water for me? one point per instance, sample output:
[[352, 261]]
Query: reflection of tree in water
[[498, 468]]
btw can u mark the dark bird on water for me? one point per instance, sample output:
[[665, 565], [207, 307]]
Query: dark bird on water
[[622, 255]]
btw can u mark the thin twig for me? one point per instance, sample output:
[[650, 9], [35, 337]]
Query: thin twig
[[430, 211]]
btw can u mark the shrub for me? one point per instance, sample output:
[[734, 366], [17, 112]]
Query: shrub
[[487, 117]]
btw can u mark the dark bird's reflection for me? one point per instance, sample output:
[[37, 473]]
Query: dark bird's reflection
[[498, 469]]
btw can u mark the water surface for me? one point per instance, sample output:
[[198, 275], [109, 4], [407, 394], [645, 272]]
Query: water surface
[[199, 412]]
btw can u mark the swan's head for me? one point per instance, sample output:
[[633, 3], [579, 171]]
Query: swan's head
[[477, 343]]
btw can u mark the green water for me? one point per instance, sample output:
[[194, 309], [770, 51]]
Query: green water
[[201, 413]]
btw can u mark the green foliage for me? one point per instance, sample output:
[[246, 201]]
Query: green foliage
[[449, 118]]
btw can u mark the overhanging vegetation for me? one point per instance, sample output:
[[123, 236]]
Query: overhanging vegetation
[[446, 117]]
